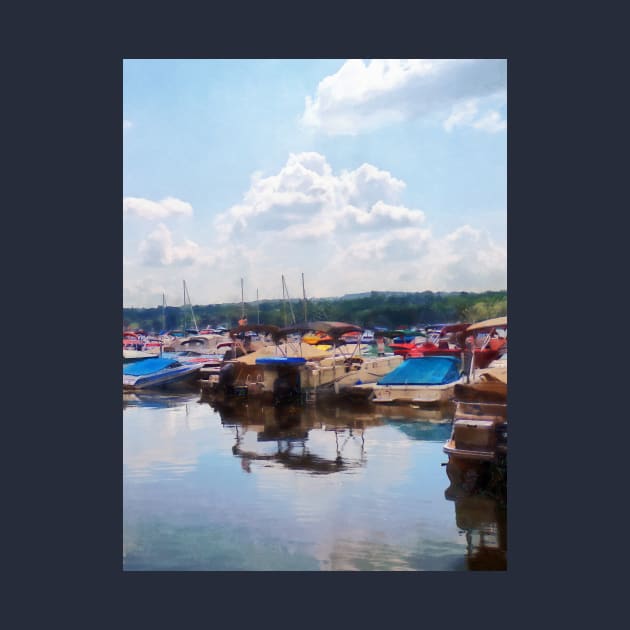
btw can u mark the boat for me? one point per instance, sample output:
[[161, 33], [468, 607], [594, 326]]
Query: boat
[[419, 380], [291, 369], [479, 432], [368, 337], [447, 340], [236, 370], [202, 344], [402, 341], [486, 340], [129, 355], [438, 340], [345, 366], [157, 372], [137, 346], [487, 384]]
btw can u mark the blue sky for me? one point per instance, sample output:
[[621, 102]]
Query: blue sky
[[362, 174]]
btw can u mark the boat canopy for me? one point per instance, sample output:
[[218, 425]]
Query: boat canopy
[[488, 324], [280, 361], [453, 328], [148, 366], [424, 371], [333, 329]]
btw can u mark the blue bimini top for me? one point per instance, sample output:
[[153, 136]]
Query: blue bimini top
[[424, 371], [147, 366], [280, 360]]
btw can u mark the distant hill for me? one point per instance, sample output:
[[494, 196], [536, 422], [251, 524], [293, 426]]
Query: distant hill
[[392, 309]]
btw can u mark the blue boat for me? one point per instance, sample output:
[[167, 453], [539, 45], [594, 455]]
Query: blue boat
[[420, 380], [156, 372]]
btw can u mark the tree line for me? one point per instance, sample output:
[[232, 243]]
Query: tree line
[[378, 308]]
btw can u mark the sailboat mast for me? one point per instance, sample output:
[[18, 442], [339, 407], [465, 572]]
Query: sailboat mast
[[257, 308], [192, 312], [304, 295], [184, 307], [163, 311], [286, 288], [242, 301]]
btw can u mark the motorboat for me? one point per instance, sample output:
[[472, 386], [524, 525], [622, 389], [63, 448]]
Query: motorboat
[[129, 355], [479, 432], [447, 340], [137, 347], [202, 344], [438, 340], [420, 380], [486, 340], [400, 342], [157, 372], [292, 369]]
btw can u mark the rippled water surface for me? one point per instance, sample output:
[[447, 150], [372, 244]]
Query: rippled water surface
[[246, 487]]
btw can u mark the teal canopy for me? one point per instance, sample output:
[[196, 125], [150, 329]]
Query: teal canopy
[[424, 371]]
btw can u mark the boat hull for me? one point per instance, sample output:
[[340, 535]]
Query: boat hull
[[479, 432], [421, 394], [160, 379]]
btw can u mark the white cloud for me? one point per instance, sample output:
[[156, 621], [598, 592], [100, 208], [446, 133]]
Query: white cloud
[[466, 114], [365, 96], [158, 249], [152, 210], [347, 231], [337, 229], [462, 114], [127, 124], [306, 199], [491, 122]]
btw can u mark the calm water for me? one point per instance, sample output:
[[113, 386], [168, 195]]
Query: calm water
[[248, 488]]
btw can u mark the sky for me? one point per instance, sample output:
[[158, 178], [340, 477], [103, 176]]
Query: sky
[[361, 174]]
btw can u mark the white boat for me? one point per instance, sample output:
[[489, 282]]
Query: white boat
[[420, 380], [156, 372], [137, 355]]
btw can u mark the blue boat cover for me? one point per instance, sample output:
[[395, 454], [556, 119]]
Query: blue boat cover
[[147, 366], [280, 360], [424, 371]]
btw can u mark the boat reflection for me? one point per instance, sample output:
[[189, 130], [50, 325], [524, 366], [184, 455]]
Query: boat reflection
[[480, 499], [155, 399], [290, 428]]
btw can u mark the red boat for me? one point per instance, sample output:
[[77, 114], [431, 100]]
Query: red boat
[[437, 343], [487, 339], [402, 348]]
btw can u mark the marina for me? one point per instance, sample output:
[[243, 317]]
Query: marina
[[243, 469], [314, 315]]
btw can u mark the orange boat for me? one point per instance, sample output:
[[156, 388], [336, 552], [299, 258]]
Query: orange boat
[[316, 338]]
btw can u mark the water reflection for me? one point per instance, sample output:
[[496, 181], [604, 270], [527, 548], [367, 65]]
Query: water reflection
[[243, 486], [157, 399], [289, 428], [479, 492]]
